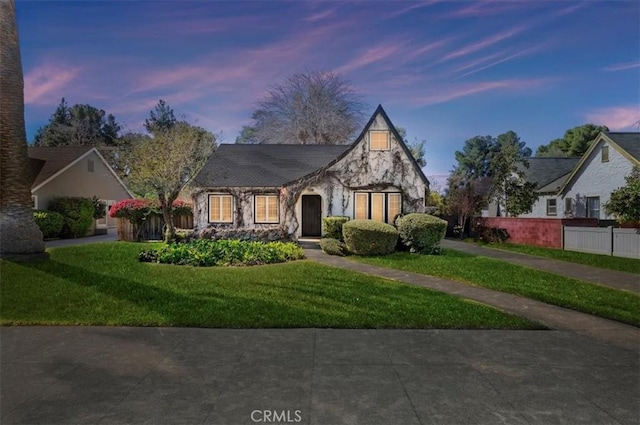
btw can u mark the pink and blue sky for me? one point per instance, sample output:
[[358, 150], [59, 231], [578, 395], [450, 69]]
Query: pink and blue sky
[[444, 70]]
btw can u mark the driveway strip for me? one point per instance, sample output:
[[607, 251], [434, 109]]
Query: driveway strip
[[612, 278], [551, 316]]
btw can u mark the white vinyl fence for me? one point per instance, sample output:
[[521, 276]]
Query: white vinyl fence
[[602, 240]]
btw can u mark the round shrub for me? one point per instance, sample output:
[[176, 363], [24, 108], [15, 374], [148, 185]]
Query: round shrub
[[421, 232], [49, 222], [333, 247], [368, 237], [77, 213], [332, 227]]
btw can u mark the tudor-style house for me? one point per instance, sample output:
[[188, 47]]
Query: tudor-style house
[[294, 186]]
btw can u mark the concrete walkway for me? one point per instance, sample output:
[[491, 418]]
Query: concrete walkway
[[551, 316], [612, 278], [110, 237], [98, 375]]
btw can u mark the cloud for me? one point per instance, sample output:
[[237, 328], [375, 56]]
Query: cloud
[[320, 15], [486, 8], [47, 83], [412, 7], [617, 117], [623, 66], [499, 61], [369, 56], [480, 45], [448, 93]]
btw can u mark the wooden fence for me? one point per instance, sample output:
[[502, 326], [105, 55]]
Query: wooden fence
[[152, 227], [603, 240]]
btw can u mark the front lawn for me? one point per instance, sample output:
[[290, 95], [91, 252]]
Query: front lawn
[[629, 265], [104, 284], [487, 272]]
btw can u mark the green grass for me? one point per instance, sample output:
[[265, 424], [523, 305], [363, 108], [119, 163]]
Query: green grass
[[590, 298], [629, 265], [104, 284]]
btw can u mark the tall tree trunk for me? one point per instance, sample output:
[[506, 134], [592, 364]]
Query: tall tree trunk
[[21, 238]]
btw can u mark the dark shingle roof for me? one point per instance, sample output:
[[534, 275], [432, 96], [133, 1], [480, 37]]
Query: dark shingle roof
[[55, 159], [630, 142], [264, 165], [544, 171]]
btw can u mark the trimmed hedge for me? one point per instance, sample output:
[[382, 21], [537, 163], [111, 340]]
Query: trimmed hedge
[[421, 232], [332, 227], [333, 247], [49, 222], [245, 234], [368, 237], [223, 253], [77, 213]]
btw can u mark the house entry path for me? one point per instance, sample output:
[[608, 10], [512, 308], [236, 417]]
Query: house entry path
[[553, 317], [612, 278]]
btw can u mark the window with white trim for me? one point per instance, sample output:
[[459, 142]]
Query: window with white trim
[[552, 207], [90, 165], [220, 208], [378, 206], [379, 140], [593, 207], [34, 199], [267, 209]]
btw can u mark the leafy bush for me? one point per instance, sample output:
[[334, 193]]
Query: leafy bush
[[421, 232], [491, 234], [333, 247], [368, 237], [49, 222], [99, 208], [332, 227], [223, 253], [77, 213], [246, 234]]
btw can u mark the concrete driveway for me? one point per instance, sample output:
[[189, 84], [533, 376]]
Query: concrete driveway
[[99, 375]]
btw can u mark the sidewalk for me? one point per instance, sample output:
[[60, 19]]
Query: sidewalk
[[121, 375], [111, 237], [612, 278], [551, 316]]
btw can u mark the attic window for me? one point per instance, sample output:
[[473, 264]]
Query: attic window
[[379, 140], [605, 154], [90, 165]]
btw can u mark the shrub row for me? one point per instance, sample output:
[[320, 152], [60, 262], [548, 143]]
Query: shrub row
[[245, 234], [223, 253], [416, 232]]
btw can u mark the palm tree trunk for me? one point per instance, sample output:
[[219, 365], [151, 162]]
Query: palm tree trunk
[[21, 238]]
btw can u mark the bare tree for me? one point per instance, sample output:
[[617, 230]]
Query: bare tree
[[165, 163], [308, 108], [465, 198], [21, 238]]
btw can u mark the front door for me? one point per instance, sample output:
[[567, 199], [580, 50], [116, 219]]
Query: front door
[[311, 215]]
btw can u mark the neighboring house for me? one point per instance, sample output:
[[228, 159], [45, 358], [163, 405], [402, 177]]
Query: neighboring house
[[601, 170], [75, 172], [549, 175], [294, 186], [580, 187]]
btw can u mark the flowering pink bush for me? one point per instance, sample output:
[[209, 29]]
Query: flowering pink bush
[[137, 211]]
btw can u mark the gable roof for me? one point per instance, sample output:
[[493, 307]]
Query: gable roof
[[55, 160], [629, 142], [380, 110], [264, 165], [549, 174], [47, 163], [239, 165], [625, 143]]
